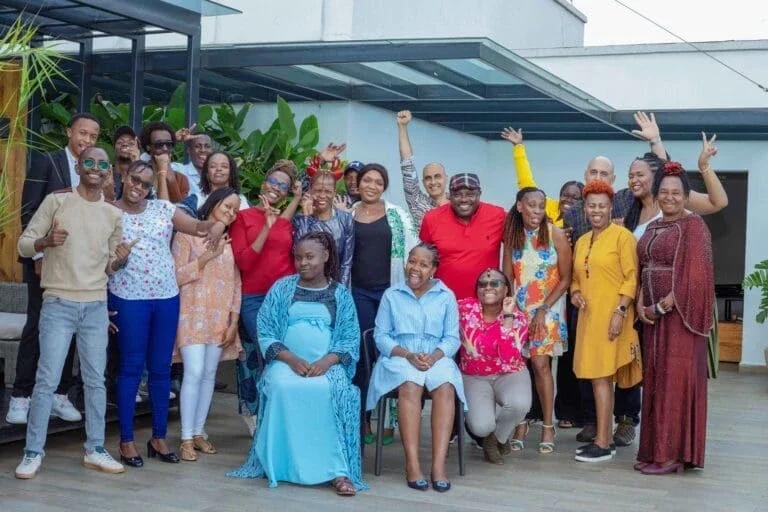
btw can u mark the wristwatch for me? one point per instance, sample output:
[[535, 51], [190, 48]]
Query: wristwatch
[[622, 310]]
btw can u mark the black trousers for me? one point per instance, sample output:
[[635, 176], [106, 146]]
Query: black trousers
[[568, 398], [29, 346], [627, 403]]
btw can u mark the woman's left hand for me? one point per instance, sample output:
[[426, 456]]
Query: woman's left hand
[[229, 337], [318, 368], [614, 328], [213, 235], [538, 327], [508, 306]]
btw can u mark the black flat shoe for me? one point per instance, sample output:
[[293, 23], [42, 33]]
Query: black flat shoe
[[134, 462], [441, 485], [419, 485], [165, 457]]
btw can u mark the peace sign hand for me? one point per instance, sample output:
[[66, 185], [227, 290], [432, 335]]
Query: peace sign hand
[[708, 150]]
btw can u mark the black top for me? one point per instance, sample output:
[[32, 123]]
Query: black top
[[372, 256]]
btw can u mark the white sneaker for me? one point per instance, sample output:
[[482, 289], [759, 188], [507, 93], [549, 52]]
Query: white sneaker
[[29, 466], [171, 395], [101, 460], [64, 409], [18, 409], [139, 399]]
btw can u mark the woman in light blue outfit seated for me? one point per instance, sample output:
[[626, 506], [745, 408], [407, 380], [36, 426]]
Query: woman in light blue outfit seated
[[309, 413], [417, 334]]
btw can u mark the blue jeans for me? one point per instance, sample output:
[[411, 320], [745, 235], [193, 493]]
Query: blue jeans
[[60, 319], [146, 337], [249, 370]]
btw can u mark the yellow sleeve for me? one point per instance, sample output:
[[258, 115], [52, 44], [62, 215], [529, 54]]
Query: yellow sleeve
[[628, 260], [525, 179]]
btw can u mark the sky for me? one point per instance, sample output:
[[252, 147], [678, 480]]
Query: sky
[[695, 20]]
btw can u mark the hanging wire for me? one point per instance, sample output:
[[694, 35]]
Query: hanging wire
[[693, 45]]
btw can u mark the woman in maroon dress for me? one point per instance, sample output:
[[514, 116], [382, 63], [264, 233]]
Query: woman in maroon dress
[[675, 302]]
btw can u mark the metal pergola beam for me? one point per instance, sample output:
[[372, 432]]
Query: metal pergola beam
[[85, 91], [138, 49], [150, 12], [468, 87]]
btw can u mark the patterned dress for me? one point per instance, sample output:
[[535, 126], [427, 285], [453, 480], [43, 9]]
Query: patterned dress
[[535, 275]]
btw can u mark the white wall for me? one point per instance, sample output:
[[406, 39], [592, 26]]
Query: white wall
[[518, 24], [371, 136], [670, 76]]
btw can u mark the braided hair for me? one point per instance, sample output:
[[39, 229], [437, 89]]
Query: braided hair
[[514, 228], [331, 269], [632, 219], [431, 248], [234, 181]]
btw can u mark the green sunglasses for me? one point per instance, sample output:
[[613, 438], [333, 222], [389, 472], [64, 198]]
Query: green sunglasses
[[90, 163]]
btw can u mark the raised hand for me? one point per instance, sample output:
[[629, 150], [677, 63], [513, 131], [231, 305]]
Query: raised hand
[[332, 151], [162, 164], [185, 134], [307, 204], [404, 117], [57, 235], [515, 137], [296, 190], [271, 212], [708, 150], [214, 236], [649, 130], [508, 305], [123, 251], [340, 204]]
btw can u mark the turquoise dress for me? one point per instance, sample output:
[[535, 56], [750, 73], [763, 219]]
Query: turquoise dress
[[309, 427]]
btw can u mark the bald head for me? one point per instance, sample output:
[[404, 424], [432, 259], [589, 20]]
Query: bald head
[[434, 178], [600, 168]]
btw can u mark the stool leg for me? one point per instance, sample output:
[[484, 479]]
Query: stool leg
[[460, 430], [380, 407]]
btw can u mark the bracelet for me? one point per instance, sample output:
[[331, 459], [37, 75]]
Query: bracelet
[[655, 141], [507, 315], [659, 311], [706, 169]]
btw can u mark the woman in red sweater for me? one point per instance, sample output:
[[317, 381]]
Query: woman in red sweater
[[262, 240]]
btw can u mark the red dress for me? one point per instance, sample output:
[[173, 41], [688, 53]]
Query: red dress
[[676, 257]]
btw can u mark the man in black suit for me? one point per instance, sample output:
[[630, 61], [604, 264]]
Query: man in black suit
[[48, 173]]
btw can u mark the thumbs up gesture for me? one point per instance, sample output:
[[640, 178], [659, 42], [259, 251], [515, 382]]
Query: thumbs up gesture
[[122, 252], [57, 235]]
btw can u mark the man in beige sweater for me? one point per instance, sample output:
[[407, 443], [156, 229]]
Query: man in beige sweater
[[80, 236]]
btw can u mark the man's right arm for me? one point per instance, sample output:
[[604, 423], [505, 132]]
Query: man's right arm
[[418, 202], [38, 227]]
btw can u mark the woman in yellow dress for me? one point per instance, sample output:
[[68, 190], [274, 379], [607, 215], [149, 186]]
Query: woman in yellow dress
[[603, 289]]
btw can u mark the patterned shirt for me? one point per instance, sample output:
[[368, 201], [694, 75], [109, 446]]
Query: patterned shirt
[[418, 202], [576, 218], [490, 348], [150, 272]]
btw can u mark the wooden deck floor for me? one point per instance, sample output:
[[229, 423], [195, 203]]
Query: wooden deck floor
[[735, 478]]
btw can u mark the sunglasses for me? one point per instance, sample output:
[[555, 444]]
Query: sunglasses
[[136, 181], [160, 144], [492, 283], [277, 183], [90, 163]]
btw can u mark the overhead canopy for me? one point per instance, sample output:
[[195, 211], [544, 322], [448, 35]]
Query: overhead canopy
[[471, 85], [74, 20]]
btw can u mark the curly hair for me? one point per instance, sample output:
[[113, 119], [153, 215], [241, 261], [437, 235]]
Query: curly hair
[[234, 181], [331, 269], [598, 187], [288, 168], [156, 126], [514, 228]]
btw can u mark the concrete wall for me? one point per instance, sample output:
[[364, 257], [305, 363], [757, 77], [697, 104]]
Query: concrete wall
[[518, 24], [371, 135]]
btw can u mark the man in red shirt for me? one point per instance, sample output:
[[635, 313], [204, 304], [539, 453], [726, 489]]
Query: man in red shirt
[[467, 233]]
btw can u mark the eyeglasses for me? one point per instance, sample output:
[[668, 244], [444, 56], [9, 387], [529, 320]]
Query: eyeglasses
[[277, 183], [90, 163], [160, 144], [491, 283], [136, 181]]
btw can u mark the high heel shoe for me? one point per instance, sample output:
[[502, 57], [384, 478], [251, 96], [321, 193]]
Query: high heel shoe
[[657, 469], [515, 445], [165, 457], [134, 462], [547, 447]]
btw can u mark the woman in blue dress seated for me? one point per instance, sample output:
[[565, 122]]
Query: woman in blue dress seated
[[309, 413], [417, 334]]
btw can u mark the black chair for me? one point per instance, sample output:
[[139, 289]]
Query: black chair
[[381, 408]]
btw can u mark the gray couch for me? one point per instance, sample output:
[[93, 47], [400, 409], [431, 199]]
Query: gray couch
[[13, 315]]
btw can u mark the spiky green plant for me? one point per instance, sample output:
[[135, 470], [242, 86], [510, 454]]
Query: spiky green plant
[[39, 67], [759, 279]]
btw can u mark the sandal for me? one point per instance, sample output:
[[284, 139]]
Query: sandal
[[343, 486], [203, 445], [565, 424], [516, 445], [547, 447]]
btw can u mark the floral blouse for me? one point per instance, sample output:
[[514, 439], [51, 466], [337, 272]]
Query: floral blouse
[[150, 272], [489, 348]]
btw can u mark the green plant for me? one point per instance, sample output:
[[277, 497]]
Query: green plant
[[759, 279], [39, 67], [257, 151]]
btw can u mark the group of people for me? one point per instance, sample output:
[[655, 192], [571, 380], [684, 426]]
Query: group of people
[[331, 302]]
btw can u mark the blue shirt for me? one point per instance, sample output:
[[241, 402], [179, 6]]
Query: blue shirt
[[418, 324]]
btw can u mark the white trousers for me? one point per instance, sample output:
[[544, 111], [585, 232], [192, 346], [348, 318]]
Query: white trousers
[[200, 363]]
